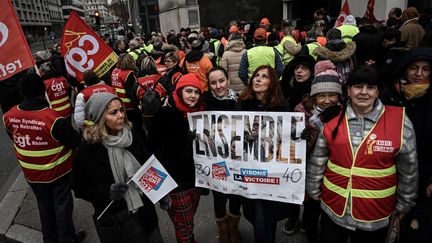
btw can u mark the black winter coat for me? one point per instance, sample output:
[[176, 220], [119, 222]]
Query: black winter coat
[[419, 111], [368, 42], [172, 144], [92, 178], [213, 104]]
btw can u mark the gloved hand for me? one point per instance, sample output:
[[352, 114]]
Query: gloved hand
[[306, 134], [117, 190], [191, 135], [165, 202], [330, 113]]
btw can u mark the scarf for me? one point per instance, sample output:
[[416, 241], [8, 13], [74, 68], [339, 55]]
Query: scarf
[[124, 165], [232, 95], [414, 90], [178, 102]]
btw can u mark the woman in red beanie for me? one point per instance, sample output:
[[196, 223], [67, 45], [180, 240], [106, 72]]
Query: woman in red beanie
[[172, 139]]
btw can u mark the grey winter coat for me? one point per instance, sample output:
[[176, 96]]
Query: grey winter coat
[[231, 62]]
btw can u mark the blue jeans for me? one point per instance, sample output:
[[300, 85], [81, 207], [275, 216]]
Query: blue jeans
[[55, 205]]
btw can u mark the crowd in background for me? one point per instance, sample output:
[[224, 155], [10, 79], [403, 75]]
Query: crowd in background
[[364, 89]]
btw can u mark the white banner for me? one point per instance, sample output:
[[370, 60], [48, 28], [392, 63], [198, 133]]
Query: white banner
[[154, 180], [250, 154]]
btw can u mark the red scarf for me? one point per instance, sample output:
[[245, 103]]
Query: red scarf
[[179, 103]]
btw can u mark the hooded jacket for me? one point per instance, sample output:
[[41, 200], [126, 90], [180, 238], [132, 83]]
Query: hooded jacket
[[411, 32], [419, 111], [197, 63], [231, 63], [341, 55]]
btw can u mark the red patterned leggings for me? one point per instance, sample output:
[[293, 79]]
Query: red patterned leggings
[[182, 211]]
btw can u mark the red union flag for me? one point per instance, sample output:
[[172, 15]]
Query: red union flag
[[345, 11], [83, 49], [369, 14], [15, 54]]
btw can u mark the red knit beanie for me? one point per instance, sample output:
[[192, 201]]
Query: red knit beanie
[[189, 80], [186, 80]]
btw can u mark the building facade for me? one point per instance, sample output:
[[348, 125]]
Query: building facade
[[100, 6], [72, 5], [175, 14], [34, 18]]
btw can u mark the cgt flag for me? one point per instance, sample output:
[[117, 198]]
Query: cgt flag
[[153, 180], [369, 14], [83, 49], [345, 11], [15, 54]]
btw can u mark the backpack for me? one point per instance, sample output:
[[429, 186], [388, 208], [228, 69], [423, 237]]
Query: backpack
[[150, 103]]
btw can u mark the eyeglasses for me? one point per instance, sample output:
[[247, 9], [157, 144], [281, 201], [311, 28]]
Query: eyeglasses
[[168, 61]]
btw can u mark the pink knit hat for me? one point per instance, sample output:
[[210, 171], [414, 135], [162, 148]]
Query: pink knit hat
[[326, 79]]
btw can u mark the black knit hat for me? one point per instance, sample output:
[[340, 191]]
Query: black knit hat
[[32, 85]]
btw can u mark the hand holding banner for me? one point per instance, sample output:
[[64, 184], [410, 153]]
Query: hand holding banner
[[251, 154], [83, 49], [15, 54], [154, 180]]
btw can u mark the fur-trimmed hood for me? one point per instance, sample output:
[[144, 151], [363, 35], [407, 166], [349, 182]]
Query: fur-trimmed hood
[[235, 46], [336, 56], [169, 48]]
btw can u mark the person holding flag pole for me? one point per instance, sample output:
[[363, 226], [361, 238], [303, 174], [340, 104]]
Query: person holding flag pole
[[106, 161]]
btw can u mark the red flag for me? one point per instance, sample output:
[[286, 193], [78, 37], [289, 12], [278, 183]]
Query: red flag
[[15, 54], [83, 49], [369, 14], [345, 11]]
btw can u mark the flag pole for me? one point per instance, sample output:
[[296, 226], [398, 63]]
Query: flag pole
[[109, 205]]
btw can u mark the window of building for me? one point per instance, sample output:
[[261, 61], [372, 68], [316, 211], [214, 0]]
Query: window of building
[[191, 2], [193, 17]]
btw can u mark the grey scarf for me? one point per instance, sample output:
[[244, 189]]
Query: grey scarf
[[124, 165]]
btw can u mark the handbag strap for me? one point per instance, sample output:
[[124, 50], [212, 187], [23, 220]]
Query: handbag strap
[[394, 222]]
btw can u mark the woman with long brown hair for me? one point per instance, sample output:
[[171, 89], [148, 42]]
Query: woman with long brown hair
[[263, 94]]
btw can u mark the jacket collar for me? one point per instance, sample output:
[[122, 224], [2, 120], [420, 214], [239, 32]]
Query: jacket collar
[[371, 116]]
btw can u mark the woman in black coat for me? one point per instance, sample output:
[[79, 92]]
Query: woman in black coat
[[297, 79], [221, 98], [109, 156], [264, 94], [172, 141]]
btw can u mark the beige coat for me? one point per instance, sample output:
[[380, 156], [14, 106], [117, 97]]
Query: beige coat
[[231, 62]]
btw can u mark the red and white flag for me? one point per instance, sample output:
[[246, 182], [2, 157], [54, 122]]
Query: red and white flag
[[345, 11], [369, 14], [83, 49], [153, 180], [15, 54]]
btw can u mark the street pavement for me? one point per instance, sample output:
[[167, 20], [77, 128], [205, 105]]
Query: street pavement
[[20, 220]]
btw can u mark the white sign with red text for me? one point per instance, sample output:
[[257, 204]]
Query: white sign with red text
[[153, 180], [252, 154]]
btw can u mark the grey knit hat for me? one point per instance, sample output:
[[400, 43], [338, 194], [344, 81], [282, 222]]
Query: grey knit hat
[[326, 79], [96, 106]]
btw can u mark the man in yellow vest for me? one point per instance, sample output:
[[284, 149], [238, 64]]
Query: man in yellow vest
[[288, 46], [44, 144], [216, 47], [310, 46], [259, 55], [134, 49], [348, 28]]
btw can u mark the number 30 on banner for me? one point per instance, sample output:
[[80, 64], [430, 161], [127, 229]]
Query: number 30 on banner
[[78, 57]]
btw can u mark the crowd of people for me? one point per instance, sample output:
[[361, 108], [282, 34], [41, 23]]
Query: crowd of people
[[364, 89]]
